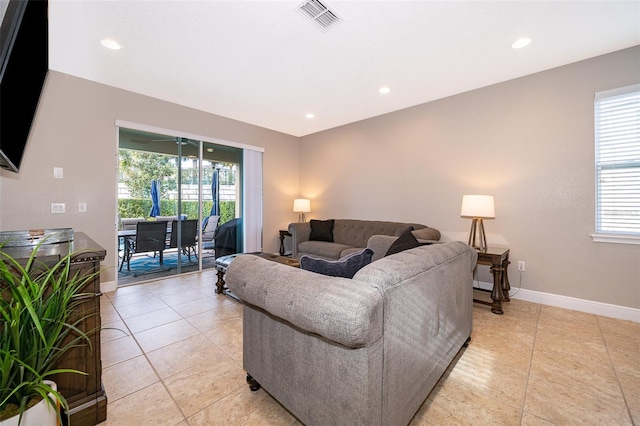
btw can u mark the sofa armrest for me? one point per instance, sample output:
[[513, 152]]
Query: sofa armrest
[[342, 310], [300, 232]]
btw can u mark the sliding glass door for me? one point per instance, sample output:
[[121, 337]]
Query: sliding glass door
[[191, 185]]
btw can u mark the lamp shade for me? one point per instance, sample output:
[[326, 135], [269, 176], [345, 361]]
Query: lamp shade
[[478, 206], [301, 205]]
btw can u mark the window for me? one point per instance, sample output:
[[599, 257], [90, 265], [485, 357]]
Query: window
[[617, 139]]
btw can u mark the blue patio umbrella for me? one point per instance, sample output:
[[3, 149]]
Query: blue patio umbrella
[[215, 208], [155, 199]]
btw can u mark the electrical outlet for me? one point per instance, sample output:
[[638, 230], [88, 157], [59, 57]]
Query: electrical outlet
[[57, 207], [82, 207], [58, 172], [521, 265]]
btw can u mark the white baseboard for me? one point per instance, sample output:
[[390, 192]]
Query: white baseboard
[[108, 286], [566, 302]]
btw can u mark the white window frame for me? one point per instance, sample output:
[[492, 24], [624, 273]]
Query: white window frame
[[605, 231]]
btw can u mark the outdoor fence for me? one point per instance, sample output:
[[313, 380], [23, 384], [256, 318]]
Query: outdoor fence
[[189, 192]]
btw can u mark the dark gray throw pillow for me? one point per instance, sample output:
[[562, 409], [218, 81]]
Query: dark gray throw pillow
[[345, 267], [404, 242], [321, 230], [402, 230]]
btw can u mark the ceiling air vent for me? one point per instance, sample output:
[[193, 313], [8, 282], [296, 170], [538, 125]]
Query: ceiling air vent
[[323, 17]]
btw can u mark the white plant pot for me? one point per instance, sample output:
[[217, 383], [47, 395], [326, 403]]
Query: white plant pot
[[41, 414]]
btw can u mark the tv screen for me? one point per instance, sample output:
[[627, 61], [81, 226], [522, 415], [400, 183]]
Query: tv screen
[[24, 62]]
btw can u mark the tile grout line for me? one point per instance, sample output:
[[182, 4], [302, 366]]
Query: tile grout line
[[610, 363], [533, 348], [125, 328], [615, 371], [202, 333], [164, 385], [535, 318], [144, 354]]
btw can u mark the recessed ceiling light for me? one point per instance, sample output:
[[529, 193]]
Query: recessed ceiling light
[[310, 115], [384, 90], [110, 44], [520, 43]]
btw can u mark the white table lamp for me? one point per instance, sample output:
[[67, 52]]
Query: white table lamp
[[301, 206], [477, 208]]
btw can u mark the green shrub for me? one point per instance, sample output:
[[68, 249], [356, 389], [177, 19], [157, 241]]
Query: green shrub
[[135, 207], [227, 211]]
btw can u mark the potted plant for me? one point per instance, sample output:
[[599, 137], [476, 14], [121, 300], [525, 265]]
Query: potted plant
[[39, 326]]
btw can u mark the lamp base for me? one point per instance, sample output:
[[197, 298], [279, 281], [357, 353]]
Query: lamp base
[[301, 218], [477, 237]]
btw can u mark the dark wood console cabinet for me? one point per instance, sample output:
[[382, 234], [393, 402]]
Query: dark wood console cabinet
[[85, 394]]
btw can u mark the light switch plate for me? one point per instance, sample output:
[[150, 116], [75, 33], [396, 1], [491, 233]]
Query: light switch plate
[[57, 207], [58, 172]]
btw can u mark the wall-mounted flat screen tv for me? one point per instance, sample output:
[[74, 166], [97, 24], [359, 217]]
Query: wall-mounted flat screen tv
[[24, 62]]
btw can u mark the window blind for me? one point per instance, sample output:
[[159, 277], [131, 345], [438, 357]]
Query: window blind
[[617, 140], [252, 201]]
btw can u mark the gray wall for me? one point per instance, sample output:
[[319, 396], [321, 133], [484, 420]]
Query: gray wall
[[529, 142], [75, 129]]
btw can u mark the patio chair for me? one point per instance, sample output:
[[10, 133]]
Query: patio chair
[[188, 232], [150, 237], [210, 224]]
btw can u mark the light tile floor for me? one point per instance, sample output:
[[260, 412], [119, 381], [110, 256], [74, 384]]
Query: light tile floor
[[172, 355]]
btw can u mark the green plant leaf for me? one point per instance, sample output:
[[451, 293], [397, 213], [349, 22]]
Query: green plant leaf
[[39, 303]]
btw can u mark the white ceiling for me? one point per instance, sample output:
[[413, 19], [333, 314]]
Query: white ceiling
[[263, 63]]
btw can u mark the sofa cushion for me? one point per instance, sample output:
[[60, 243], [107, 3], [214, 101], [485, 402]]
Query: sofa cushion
[[356, 233], [323, 249], [402, 230], [348, 251], [345, 267], [321, 230], [404, 242], [426, 234]]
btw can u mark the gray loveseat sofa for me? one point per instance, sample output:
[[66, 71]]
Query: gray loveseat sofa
[[349, 235], [361, 351]]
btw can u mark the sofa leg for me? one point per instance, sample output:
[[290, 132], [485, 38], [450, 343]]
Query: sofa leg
[[253, 384], [466, 343]]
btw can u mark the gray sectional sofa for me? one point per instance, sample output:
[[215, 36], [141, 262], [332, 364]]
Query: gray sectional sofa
[[350, 235], [361, 351]]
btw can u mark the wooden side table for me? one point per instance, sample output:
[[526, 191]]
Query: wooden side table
[[283, 233], [498, 259]]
